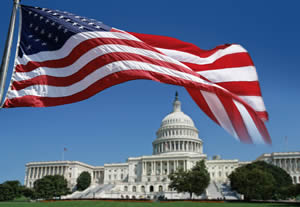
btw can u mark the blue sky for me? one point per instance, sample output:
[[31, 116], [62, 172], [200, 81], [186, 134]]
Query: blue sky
[[121, 121]]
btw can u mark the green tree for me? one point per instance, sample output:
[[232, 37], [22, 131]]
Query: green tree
[[260, 180], [15, 186], [192, 181], [83, 181], [51, 186], [6, 192]]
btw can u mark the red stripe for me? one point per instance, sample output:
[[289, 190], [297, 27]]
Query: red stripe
[[227, 61], [235, 118], [93, 66], [106, 82], [79, 50], [242, 88], [261, 127], [263, 115], [175, 44], [201, 102]]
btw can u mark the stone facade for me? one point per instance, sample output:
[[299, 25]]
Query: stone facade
[[177, 145]]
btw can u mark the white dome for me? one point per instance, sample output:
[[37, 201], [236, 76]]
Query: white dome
[[177, 133], [177, 118]]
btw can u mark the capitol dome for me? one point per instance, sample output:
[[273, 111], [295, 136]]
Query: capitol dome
[[177, 133]]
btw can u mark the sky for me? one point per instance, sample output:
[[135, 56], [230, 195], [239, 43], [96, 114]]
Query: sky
[[121, 121]]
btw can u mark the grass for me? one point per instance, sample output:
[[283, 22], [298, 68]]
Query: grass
[[137, 204]]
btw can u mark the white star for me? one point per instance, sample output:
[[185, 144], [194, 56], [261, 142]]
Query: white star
[[49, 35], [53, 23], [59, 27], [56, 39], [41, 17], [54, 14], [31, 25], [77, 17], [74, 23], [30, 36], [35, 15], [36, 28], [67, 20], [49, 11], [61, 16], [42, 31], [91, 23], [81, 27], [84, 20], [30, 12], [28, 47], [37, 40], [65, 30], [44, 44], [44, 9], [47, 20], [98, 27]]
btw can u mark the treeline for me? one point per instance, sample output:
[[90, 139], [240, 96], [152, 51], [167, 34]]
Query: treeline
[[13, 189], [47, 187]]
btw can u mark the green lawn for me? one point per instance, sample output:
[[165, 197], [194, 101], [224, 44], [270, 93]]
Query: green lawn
[[136, 204]]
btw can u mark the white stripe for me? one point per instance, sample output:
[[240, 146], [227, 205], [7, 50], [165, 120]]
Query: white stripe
[[72, 42], [190, 58], [250, 125], [256, 102], [89, 56], [54, 91], [219, 112], [247, 73]]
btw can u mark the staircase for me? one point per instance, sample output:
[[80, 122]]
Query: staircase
[[213, 192], [93, 191]]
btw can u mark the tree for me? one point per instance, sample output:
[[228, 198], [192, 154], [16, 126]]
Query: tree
[[6, 192], [51, 186], [260, 180], [192, 181], [15, 187], [83, 181]]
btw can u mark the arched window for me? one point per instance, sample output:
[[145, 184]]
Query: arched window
[[151, 188], [143, 188], [125, 188], [133, 188], [160, 188]]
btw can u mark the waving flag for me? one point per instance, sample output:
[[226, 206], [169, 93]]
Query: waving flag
[[63, 58]]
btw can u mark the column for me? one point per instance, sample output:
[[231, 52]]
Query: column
[[152, 168], [155, 168], [29, 172], [168, 170], [161, 167]]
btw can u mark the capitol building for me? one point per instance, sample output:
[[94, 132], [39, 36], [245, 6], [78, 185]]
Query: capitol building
[[177, 145]]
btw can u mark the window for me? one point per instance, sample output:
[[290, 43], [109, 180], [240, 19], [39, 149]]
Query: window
[[133, 188], [109, 177], [125, 188], [160, 188], [121, 176]]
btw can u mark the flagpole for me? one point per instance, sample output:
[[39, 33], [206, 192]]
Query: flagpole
[[7, 49]]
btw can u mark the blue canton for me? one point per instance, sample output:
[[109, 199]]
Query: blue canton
[[46, 30]]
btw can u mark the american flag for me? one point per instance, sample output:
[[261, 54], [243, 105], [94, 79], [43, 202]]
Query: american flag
[[63, 58]]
